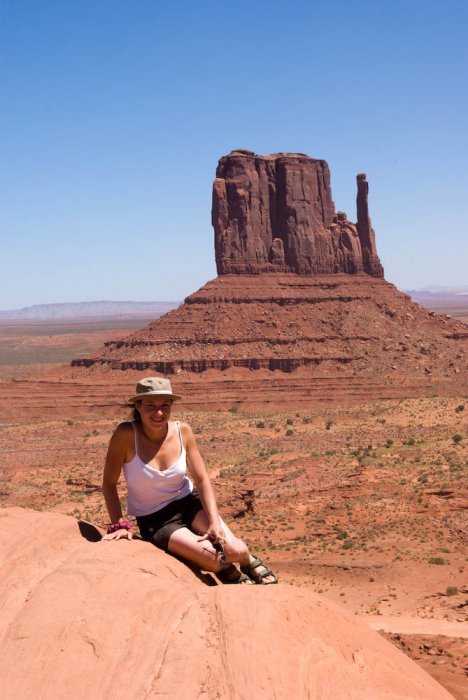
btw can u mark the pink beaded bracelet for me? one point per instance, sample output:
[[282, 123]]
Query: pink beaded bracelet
[[122, 524]]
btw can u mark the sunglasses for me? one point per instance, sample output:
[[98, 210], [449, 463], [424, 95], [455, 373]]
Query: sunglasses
[[219, 549]]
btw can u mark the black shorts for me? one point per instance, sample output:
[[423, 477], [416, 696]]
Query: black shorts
[[158, 527]]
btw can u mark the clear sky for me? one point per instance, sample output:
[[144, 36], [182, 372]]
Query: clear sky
[[115, 113]]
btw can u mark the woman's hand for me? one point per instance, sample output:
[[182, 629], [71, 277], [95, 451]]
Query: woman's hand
[[121, 534], [215, 533], [217, 537]]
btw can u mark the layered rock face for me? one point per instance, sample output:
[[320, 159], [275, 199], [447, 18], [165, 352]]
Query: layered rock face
[[353, 323], [276, 214]]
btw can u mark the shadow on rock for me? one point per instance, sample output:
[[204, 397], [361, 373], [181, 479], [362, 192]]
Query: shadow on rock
[[89, 532]]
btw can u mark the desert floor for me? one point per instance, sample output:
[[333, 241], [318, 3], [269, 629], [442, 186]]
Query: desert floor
[[366, 504]]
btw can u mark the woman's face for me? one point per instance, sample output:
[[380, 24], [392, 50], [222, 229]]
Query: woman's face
[[154, 411]]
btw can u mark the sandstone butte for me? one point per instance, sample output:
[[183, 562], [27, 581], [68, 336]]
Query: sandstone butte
[[300, 298], [91, 619]]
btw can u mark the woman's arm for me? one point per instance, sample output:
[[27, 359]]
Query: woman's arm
[[203, 484], [116, 456]]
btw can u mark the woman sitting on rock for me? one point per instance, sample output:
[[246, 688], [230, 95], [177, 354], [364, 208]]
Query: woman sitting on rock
[[154, 453]]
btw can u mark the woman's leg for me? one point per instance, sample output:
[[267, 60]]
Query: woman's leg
[[184, 543], [235, 550]]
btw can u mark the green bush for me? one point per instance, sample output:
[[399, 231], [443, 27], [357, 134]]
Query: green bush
[[457, 438], [289, 421], [289, 432]]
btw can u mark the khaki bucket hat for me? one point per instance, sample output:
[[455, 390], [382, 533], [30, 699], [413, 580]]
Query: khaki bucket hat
[[153, 386]]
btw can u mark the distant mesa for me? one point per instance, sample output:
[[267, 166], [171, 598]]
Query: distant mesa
[[276, 214], [298, 286]]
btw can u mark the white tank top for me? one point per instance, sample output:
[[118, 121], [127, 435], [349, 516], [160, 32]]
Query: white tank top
[[150, 490]]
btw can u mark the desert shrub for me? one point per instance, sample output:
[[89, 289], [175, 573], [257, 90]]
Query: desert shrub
[[289, 421], [342, 535], [233, 409], [389, 443], [457, 438], [410, 441], [348, 544], [459, 408], [306, 419], [438, 560], [328, 424], [260, 424], [451, 590], [289, 432]]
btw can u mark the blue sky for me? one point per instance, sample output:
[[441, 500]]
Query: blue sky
[[115, 113]]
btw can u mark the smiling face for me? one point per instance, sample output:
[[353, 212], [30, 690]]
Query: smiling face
[[154, 411]]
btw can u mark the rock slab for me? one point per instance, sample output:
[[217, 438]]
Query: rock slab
[[123, 620], [276, 214]]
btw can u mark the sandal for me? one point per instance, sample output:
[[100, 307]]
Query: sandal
[[232, 575], [257, 577]]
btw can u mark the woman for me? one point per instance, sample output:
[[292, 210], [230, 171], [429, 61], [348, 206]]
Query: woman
[[154, 453]]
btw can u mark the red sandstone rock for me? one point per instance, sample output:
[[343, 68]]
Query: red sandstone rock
[[364, 228], [124, 620], [276, 214]]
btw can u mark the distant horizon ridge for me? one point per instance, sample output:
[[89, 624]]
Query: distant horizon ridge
[[60, 310]]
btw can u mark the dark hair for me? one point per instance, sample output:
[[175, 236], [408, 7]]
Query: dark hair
[[135, 415]]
